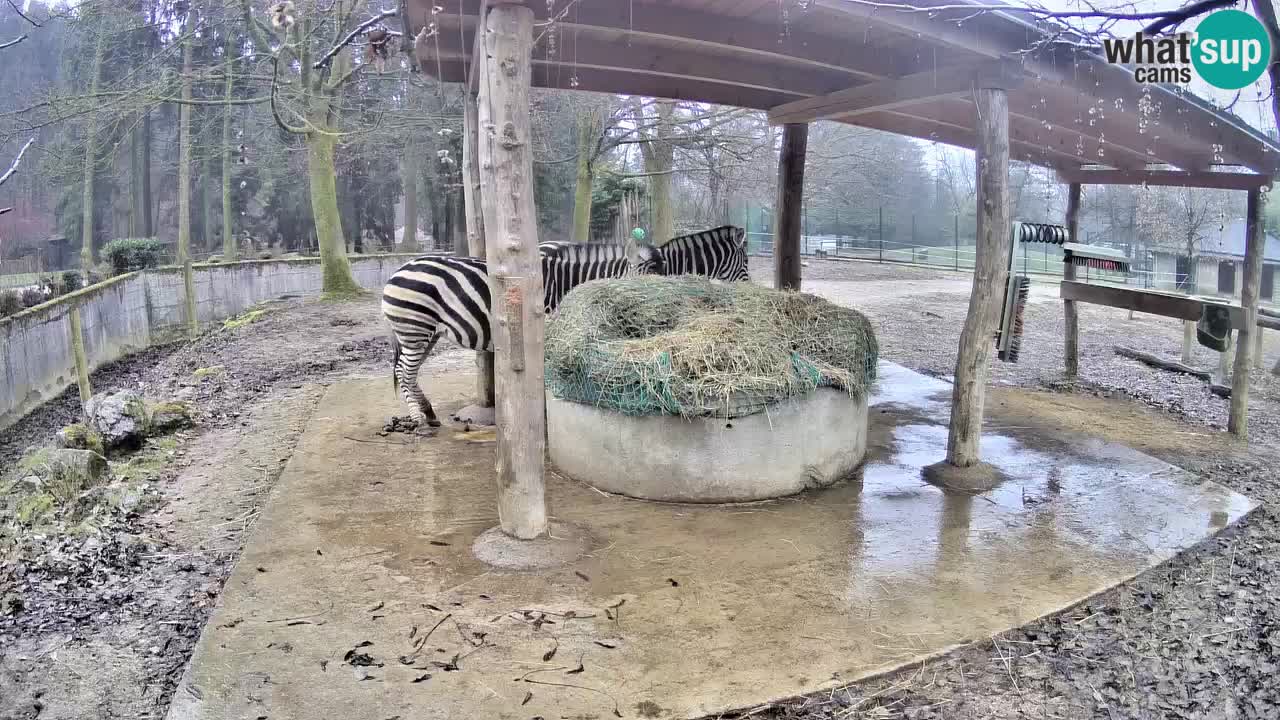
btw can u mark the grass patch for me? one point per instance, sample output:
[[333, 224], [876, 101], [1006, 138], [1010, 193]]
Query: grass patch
[[244, 318]]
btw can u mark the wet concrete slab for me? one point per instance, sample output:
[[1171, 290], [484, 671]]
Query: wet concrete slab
[[359, 596]]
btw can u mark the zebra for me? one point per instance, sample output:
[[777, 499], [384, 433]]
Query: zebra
[[719, 254], [436, 295]]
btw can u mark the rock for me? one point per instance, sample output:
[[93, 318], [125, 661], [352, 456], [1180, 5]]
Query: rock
[[169, 416], [61, 473], [79, 436], [186, 392], [121, 419]]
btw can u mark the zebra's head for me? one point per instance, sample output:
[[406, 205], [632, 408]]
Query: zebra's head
[[646, 260]]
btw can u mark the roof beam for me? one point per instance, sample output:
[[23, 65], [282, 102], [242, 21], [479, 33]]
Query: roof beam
[[934, 130], [1174, 178], [898, 92], [592, 52], [706, 31]]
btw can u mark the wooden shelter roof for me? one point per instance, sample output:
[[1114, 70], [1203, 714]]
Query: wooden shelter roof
[[909, 72]]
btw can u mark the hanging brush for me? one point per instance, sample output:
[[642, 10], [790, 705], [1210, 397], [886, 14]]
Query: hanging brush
[[1009, 337], [1094, 256]]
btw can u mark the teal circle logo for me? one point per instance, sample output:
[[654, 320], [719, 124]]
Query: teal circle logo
[[1232, 49]]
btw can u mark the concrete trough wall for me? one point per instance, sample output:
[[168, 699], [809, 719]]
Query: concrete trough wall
[[128, 313], [801, 444]]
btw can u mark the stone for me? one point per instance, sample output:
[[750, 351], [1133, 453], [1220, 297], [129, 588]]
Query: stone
[[121, 419], [79, 436], [169, 416], [61, 473]]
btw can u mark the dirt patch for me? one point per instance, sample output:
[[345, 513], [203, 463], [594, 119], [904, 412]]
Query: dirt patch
[[101, 625]]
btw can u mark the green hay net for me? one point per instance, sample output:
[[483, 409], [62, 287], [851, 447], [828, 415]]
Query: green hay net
[[684, 346]]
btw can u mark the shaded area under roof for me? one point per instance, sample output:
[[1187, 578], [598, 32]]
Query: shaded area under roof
[[1070, 110]]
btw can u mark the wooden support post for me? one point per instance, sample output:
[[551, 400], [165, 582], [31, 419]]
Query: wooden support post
[[1071, 333], [1257, 349], [1238, 419], [789, 213], [82, 361], [1223, 374], [515, 274], [471, 198], [189, 294], [990, 270]]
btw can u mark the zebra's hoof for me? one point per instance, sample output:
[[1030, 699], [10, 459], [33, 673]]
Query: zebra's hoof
[[433, 423]]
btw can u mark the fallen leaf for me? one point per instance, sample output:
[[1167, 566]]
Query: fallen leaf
[[421, 678], [546, 657], [439, 543], [582, 575], [527, 697]]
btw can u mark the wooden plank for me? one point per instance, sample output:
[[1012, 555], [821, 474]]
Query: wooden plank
[[515, 274], [935, 130], [786, 236], [1181, 307], [989, 273], [895, 93], [1174, 178], [1071, 334], [1238, 417]]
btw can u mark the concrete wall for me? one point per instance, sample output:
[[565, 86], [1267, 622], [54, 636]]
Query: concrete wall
[[799, 444], [127, 313]]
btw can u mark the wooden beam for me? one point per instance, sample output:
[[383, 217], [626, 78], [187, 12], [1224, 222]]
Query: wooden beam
[[897, 92], [1174, 178], [599, 51], [679, 27], [1153, 302], [935, 130], [1071, 335], [1238, 417], [790, 211], [473, 75], [515, 274], [991, 269]]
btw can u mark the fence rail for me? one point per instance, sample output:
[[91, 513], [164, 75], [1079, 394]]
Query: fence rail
[[1029, 258]]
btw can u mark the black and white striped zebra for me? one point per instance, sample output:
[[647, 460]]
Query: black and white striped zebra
[[438, 295], [720, 254]]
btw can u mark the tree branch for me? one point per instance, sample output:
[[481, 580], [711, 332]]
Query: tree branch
[[21, 14], [275, 108], [13, 168], [1175, 19], [13, 42], [351, 36]]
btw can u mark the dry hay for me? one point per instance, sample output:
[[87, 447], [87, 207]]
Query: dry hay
[[686, 346]]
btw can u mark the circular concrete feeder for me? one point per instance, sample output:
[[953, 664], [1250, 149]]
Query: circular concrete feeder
[[809, 442]]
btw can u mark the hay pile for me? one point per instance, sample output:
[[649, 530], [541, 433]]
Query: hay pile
[[684, 346]]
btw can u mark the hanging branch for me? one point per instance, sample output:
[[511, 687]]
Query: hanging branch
[[1178, 17], [21, 14], [13, 168], [13, 42], [275, 108], [351, 36]]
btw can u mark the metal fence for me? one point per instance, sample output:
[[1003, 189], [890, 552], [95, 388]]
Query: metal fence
[[1029, 258]]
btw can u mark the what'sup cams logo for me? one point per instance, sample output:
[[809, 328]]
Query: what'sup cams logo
[[1230, 49]]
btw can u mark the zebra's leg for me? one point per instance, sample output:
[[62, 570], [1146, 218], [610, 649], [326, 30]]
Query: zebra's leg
[[408, 360]]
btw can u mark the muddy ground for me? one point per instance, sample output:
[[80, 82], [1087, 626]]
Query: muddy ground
[[104, 625]]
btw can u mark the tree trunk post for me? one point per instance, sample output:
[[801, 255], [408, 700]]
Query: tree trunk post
[[1257, 349], [471, 197], [1070, 314], [184, 194], [82, 362], [515, 274], [1188, 340], [991, 268], [789, 213], [1238, 419]]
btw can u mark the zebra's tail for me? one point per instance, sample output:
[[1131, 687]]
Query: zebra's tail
[[395, 362]]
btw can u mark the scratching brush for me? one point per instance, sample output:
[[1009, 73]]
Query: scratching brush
[[1093, 256], [1009, 338]]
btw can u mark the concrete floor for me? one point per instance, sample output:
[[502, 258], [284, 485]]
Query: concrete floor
[[675, 611]]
